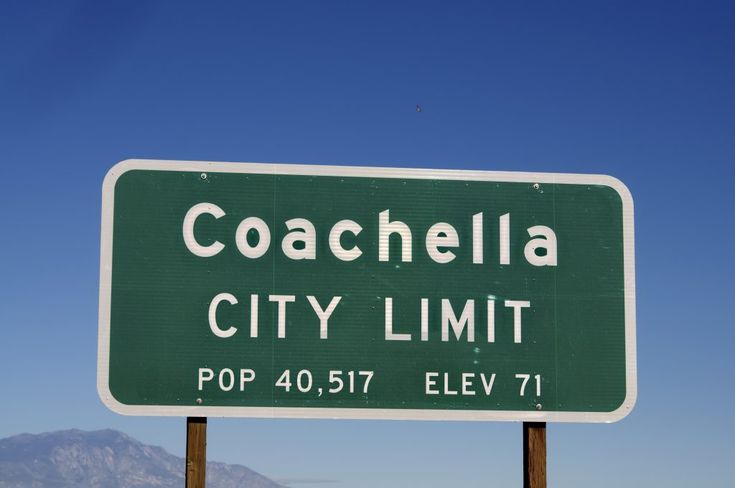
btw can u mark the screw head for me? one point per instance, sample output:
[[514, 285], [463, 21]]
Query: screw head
[[539, 406], [203, 176], [199, 401], [536, 186]]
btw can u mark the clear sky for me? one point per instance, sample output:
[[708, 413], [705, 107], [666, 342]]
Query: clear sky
[[639, 90]]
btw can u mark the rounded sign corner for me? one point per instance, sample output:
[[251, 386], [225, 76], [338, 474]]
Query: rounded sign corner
[[120, 168], [620, 188], [626, 407], [109, 400], [623, 411]]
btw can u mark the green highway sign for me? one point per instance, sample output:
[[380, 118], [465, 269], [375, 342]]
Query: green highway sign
[[276, 290]]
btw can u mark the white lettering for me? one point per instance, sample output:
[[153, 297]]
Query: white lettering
[[424, 319], [517, 306], [491, 320], [385, 229], [477, 239], [504, 237], [205, 374], [441, 235], [241, 237], [430, 381], [254, 315], [323, 314], [488, 386], [467, 383], [447, 391], [222, 297], [307, 235], [231, 381], [547, 241], [246, 376], [458, 325], [188, 229], [389, 334], [336, 234], [282, 300]]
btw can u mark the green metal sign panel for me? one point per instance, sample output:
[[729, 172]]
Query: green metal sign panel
[[343, 292]]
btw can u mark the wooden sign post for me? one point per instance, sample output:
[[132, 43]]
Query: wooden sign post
[[534, 454], [196, 451]]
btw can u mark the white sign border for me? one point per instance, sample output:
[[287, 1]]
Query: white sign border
[[108, 198]]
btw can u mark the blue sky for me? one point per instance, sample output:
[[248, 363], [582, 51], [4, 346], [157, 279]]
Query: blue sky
[[638, 90]]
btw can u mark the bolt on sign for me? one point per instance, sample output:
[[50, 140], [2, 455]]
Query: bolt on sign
[[276, 290]]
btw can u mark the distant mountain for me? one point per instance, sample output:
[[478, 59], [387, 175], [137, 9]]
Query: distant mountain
[[105, 459]]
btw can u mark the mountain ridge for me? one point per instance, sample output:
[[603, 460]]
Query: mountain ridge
[[105, 459]]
